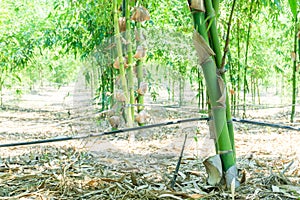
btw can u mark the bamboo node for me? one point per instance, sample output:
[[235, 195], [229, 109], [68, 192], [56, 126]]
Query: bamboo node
[[222, 71], [224, 152]]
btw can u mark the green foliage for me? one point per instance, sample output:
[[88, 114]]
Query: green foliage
[[269, 43], [19, 26], [41, 40], [170, 14], [79, 26], [24, 61], [293, 6]]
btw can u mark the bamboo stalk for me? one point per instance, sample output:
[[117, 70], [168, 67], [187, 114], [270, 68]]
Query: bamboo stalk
[[199, 24], [223, 143], [219, 106], [140, 74], [239, 66], [130, 58], [226, 46], [200, 27], [246, 59], [294, 90], [218, 58], [216, 5], [215, 44], [128, 117]]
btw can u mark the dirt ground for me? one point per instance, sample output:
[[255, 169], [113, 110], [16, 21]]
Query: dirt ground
[[110, 167]]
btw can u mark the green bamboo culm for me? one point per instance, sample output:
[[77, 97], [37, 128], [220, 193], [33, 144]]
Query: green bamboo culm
[[294, 95], [139, 69], [216, 6], [199, 24], [239, 66], [130, 59], [218, 58], [218, 109], [200, 27], [122, 73], [246, 59], [216, 90], [215, 43]]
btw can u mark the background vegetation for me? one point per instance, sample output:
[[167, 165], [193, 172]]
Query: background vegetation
[[46, 42]]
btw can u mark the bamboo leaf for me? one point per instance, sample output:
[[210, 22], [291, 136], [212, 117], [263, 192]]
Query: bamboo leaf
[[293, 6]]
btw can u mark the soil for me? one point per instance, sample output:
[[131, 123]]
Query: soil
[[111, 167]]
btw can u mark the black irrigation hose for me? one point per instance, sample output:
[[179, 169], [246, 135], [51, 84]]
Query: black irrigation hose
[[103, 133], [266, 124], [141, 128]]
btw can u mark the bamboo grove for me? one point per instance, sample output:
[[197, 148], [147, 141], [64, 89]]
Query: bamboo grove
[[58, 34]]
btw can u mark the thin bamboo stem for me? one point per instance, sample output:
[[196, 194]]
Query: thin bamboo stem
[[200, 27], [140, 74], [130, 58], [215, 44], [226, 47], [294, 90], [239, 66], [246, 59]]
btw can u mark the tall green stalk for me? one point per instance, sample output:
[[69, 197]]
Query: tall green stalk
[[140, 73], [294, 8], [127, 110], [239, 67], [294, 90], [246, 59], [200, 27], [199, 24], [130, 58], [218, 111], [215, 43], [216, 90], [218, 58], [1, 88], [216, 6]]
